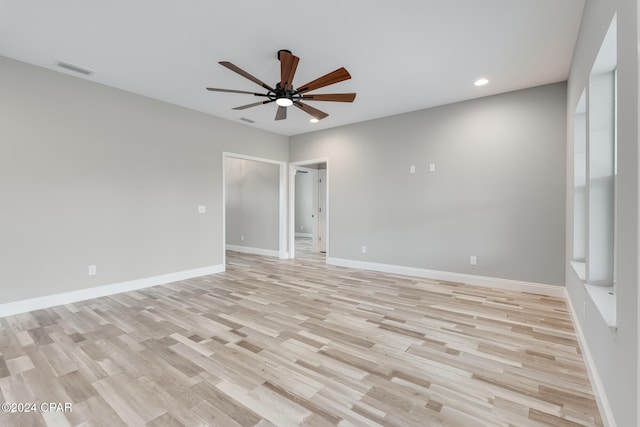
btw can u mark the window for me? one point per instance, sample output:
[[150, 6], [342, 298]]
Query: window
[[580, 183], [594, 180], [600, 169]]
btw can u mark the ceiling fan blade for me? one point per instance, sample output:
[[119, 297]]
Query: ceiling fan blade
[[288, 65], [281, 114], [255, 104], [243, 73], [215, 89], [336, 76], [311, 110], [336, 97]]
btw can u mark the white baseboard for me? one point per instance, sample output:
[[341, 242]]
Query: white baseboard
[[601, 397], [24, 306], [490, 282], [304, 235], [254, 251]]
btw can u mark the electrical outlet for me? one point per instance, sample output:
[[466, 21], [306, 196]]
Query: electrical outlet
[[473, 260], [584, 309], [92, 270], [242, 237], [432, 167], [412, 169], [364, 249]]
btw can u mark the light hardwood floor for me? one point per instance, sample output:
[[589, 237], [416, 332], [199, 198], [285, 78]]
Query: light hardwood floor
[[296, 342]]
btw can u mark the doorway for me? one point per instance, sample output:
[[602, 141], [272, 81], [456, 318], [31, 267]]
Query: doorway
[[309, 209], [254, 205]]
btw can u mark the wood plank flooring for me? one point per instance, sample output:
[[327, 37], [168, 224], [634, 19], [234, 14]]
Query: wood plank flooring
[[296, 342]]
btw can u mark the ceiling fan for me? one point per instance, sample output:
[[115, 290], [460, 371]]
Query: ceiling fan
[[285, 95]]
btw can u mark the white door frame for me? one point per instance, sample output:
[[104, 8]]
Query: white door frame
[[314, 207], [321, 192], [282, 202], [292, 203]]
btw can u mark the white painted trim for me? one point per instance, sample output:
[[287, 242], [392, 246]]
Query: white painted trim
[[598, 389], [254, 251], [223, 203], [490, 282], [255, 159], [605, 301], [283, 252], [291, 229], [580, 268], [637, 237], [24, 306], [304, 235]]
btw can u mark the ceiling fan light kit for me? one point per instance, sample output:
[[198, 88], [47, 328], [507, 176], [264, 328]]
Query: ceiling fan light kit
[[284, 102], [284, 95]]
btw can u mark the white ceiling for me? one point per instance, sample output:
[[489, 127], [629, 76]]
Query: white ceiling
[[403, 55]]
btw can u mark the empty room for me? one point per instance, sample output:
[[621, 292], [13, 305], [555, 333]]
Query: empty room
[[279, 213]]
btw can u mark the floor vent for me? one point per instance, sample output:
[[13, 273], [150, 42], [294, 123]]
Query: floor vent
[[244, 119]]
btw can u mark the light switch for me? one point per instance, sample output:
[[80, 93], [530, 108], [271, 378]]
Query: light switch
[[202, 209]]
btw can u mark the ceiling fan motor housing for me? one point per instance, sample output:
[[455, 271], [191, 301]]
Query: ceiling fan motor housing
[[280, 92]]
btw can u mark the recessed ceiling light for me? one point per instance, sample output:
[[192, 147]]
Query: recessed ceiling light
[[314, 120], [481, 82]]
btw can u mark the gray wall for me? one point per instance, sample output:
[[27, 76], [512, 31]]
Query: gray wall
[[498, 191], [252, 194], [94, 175], [615, 354]]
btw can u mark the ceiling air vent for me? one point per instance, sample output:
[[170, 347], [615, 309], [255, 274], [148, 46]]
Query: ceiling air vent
[[75, 68], [244, 119]]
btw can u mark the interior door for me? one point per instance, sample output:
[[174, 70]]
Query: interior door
[[322, 210]]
